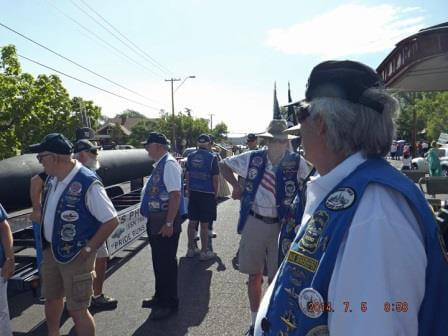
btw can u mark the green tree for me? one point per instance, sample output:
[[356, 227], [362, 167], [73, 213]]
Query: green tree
[[32, 107]]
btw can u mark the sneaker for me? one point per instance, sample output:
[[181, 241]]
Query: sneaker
[[104, 302], [207, 255], [197, 237], [250, 332], [192, 252], [211, 233]]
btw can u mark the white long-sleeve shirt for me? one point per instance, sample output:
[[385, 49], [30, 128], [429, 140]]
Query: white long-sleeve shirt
[[381, 260]]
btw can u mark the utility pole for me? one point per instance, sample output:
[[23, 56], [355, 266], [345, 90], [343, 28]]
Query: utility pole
[[173, 140], [211, 121]]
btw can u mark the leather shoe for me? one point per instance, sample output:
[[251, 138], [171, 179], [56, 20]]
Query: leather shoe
[[150, 303], [162, 313]]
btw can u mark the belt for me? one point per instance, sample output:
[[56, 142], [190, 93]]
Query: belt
[[267, 220]]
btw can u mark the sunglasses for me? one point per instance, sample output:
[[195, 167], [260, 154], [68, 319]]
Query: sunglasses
[[302, 112], [39, 157]]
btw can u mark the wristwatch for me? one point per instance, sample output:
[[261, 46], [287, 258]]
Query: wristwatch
[[88, 249], [169, 224]]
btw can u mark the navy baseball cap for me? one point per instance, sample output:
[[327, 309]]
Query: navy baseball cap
[[203, 139], [155, 137], [55, 143], [343, 79], [84, 145], [251, 137]]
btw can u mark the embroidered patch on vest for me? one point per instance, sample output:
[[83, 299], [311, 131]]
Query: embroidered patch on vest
[[321, 330], [69, 216], [286, 244], [303, 261], [249, 186], [68, 232], [342, 198], [257, 161], [313, 231], [75, 188], [197, 161], [311, 302], [290, 188], [155, 178], [252, 173]]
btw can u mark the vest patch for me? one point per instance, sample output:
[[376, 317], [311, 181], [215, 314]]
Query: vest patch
[[342, 198], [288, 318], [303, 261], [197, 161], [252, 173], [69, 216], [75, 188], [313, 231], [68, 232], [321, 330], [311, 302], [257, 161]]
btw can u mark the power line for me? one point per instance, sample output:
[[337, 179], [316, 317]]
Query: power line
[[105, 42], [148, 57], [75, 63], [86, 83]]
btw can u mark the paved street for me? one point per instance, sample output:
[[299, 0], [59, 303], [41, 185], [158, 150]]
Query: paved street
[[213, 298]]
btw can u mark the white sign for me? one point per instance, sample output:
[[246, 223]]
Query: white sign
[[443, 138], [132, 225]]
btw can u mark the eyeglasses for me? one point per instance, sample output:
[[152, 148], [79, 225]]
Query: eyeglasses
[[41, 156]]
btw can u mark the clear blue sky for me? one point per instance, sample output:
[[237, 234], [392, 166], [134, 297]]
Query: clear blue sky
[[237, 49]]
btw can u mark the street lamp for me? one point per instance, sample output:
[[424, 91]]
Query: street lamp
[[172, 80]]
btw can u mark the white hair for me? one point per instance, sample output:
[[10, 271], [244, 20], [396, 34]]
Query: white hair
[[354, 127]]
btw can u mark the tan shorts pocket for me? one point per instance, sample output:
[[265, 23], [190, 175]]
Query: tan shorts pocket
[[82, 286]]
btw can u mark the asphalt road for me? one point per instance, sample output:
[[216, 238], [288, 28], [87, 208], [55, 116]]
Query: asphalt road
[[213, 299]]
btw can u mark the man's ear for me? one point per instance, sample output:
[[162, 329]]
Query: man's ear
[[320, 126]]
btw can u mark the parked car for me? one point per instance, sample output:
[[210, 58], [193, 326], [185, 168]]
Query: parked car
[[421, 163], [183, 160]]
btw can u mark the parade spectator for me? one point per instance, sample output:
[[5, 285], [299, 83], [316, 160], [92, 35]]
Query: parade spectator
[[87, 153], [78, 216], [435, 168], [162, 204], [202, 176], [251, 141], [6, 271], [406, 162], [271, 181], [393, 150], [368, 244], [36, 189]]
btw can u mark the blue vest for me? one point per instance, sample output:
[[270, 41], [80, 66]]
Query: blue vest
[[299, 301], [3, 216], [200, 171], [156, 196], [290, 226], [286, 183], [74, 225]]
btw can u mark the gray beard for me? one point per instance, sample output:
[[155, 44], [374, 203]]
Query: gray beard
[[93, 165]]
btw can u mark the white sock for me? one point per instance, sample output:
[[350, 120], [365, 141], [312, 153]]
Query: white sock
[[253, 317]]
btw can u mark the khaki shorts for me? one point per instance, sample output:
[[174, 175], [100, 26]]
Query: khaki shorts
[[73, 280], [259, 242], [102, 251]]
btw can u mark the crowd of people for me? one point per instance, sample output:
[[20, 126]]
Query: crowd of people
[[350, 232]]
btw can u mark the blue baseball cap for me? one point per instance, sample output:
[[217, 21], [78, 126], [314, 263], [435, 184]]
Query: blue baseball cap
[[55, 143], [203, 139], [155, 137]]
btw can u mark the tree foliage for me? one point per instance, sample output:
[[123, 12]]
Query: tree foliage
[[32, 107], [431, 111], [187, 128]]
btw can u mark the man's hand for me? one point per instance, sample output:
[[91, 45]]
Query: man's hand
[[166, 231], [8, 269], [236, 192], [84, 254]]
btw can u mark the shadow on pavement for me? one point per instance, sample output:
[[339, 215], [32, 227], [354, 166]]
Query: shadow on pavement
[[194, 296]]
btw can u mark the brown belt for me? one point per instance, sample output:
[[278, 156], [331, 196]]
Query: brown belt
[[267, 220]]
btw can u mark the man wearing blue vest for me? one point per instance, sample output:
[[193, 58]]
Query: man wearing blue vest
[[162, 204], [87, 153], [77, 217], [368, 258], [6, 270], [202, 177], [271, 182]]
